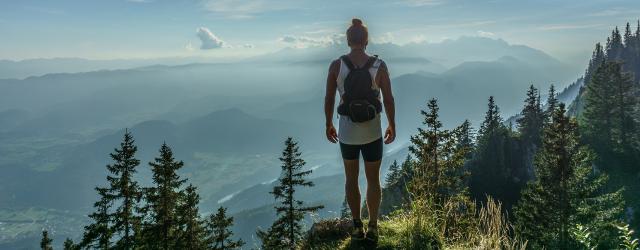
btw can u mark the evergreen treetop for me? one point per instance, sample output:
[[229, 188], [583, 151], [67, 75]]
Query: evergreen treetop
[[220, 233], [286, 232]]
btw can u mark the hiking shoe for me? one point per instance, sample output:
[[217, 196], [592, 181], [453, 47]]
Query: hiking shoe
[[357, 233], [372, 233]]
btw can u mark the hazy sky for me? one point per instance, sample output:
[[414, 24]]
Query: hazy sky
[[220, 28]]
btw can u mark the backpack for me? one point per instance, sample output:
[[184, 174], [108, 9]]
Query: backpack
[[360, 101]]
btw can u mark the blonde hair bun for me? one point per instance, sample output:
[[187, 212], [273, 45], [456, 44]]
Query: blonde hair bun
[[356, 22]]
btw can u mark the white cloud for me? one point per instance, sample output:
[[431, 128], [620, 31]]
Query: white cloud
[[384, 38], [244, 9], [485, 33], [307, 41], [418, 39], [248, 46], [208, 39]]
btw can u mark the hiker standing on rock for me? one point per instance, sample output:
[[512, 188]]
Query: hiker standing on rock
[[360, 79]]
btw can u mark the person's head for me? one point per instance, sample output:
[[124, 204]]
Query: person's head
[[357, 34]]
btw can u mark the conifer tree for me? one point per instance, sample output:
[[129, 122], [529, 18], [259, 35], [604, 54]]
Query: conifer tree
[[98, 234], [393, 174], [615, 46], [395, 195], [220, 233], [438, 168], [464, 138], [610, 103], [597, 59], [162, 230], [345, 213], [566, 191], [286, 231], [45, 243], [192, 235], [551, 105], [69, 245], [495, 166], [531, 120], [124, 190], [628, 37]]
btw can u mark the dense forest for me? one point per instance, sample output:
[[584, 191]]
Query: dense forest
[[564, 176]]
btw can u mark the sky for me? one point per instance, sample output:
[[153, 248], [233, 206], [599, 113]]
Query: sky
[[121, 29]]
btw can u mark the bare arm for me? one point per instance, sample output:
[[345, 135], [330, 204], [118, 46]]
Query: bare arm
[[383, 81], [329, 101]]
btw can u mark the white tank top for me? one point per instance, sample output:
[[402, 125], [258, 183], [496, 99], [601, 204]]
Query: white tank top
[[353, 133]]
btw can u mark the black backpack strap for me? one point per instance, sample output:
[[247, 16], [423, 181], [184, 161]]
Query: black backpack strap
[[348, 62], [370, 62]]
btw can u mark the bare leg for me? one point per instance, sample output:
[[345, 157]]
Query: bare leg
[[352, 191], [372, 172]]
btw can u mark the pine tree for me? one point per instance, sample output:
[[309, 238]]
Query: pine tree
[[597, 59], [566, 191], [345, 213], [551, 105], [615, 46], [393, 175], [193, 233], [98, 234], [531, 120], [610, 103], [395, 195], [69, 245], [162, 230], [628, 37], [464, 137], [490, 173], [45, 243], [220, 233], [124, 190], [286, 231], [438, 168]]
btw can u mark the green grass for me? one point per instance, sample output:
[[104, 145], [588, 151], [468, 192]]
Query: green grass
[[424, 226]]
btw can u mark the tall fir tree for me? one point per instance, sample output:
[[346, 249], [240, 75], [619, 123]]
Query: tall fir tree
[[551, 105], [192, 234], [531, 120], [98, 234], [45, 242], [393, 174], [69, 245], [162, 231], [628, 36], [610, 103], [345, 212], [597, 59], [615, 46], [219, 231], [286, 232], [124, 191], [396, 194], [566, 191], [464, 138], [438, 166], [491, 173]]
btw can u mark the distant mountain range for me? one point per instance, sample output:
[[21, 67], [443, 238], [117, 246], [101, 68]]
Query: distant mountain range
[[227, 121]]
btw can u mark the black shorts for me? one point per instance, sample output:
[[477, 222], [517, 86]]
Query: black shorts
[[370, 152]]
